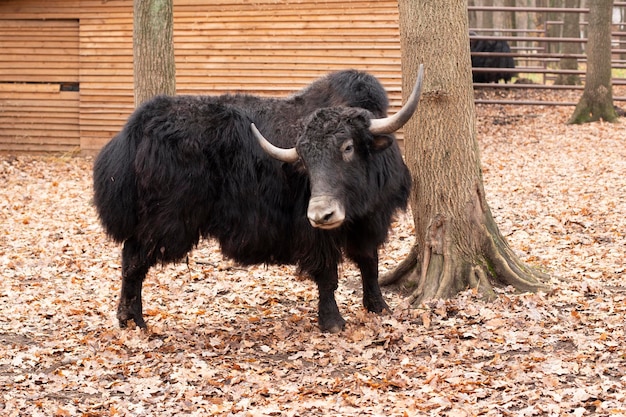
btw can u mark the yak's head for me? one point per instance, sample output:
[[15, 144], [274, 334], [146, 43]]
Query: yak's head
[[334, 148]]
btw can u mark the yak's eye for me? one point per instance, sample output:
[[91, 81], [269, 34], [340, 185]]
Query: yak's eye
[[347, 150]]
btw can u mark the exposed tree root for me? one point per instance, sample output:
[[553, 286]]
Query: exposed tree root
[[407, 266], [593, 107], [444, 269]]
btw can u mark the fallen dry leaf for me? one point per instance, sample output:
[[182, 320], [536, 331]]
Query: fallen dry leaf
[[225, 340]]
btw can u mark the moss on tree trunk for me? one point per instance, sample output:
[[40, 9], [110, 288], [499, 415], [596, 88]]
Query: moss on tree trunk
[[597, 100]]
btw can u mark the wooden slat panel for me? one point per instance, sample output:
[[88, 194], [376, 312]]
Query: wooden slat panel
[[36, 118], [39, 50], [106, 72], [277, 47], [265, 47], [39, 9]]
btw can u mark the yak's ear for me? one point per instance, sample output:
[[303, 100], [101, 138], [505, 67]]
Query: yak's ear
[[381, 142]]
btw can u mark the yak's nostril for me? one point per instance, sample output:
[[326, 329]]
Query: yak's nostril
[[325, 212]]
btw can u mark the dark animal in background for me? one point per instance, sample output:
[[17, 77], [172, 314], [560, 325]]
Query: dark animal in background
[[494, 61], [191, 167]]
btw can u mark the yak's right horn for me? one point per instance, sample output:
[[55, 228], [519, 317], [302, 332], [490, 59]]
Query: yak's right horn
[[392, 123]]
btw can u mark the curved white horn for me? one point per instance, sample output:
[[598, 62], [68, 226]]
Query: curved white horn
[[285, 155], [392, 123]]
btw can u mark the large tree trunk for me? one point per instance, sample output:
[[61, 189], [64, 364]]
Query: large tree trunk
[[597, 100], [153, 49], [458, 244]]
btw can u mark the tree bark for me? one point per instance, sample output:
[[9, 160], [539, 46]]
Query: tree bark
[[488, 15], [571, 29], [597, 100], [153, 49], [472, 15], [622, 28], [457, 243], [512, 17]]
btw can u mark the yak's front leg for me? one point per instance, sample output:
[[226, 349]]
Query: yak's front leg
[[135, 266], [329, 317], [367, 261]]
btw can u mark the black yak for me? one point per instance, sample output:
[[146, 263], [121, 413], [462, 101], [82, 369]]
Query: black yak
[[491, 61], [191, 167]]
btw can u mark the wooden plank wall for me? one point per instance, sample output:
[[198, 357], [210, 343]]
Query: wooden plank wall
[[39, 60], [275, 47], [103, 66], [106, 70], [267, 47]]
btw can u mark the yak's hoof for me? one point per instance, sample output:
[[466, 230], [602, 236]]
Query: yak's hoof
[[376, 306], [124, 324], [332, 324], [124, 317]]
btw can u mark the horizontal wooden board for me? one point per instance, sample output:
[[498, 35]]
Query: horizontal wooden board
[[38, 118], [39, 148], [39, 50], [39, 134], [39, 9]]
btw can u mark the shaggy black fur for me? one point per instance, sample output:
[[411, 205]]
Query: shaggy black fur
[[499, 46], [188, 167]]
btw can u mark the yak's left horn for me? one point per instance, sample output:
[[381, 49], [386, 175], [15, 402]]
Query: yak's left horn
[[285, 155], [392, 123]]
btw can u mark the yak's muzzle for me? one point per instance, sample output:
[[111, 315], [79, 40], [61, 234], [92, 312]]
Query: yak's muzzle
[[325, 212]]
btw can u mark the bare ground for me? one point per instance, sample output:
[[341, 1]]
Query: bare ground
[[225, 340]]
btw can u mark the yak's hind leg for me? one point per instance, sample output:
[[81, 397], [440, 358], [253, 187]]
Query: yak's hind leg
[[366, 259], [135, 266]]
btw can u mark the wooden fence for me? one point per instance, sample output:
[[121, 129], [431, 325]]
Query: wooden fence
[[537, 54]]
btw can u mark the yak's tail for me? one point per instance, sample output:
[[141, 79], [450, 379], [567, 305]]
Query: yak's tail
[[115, 191]]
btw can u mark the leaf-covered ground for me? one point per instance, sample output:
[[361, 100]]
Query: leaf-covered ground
[[226, 340]]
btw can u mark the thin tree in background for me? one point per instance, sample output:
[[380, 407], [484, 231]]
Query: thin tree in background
[[153, 49], [488, 15], [472, 15], [457, 243], [622, 28], [597, 100], [571, 29], [552, 28], [512, 17]]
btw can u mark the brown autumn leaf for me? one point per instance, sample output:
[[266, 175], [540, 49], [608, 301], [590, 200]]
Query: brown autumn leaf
[[232, 341]]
